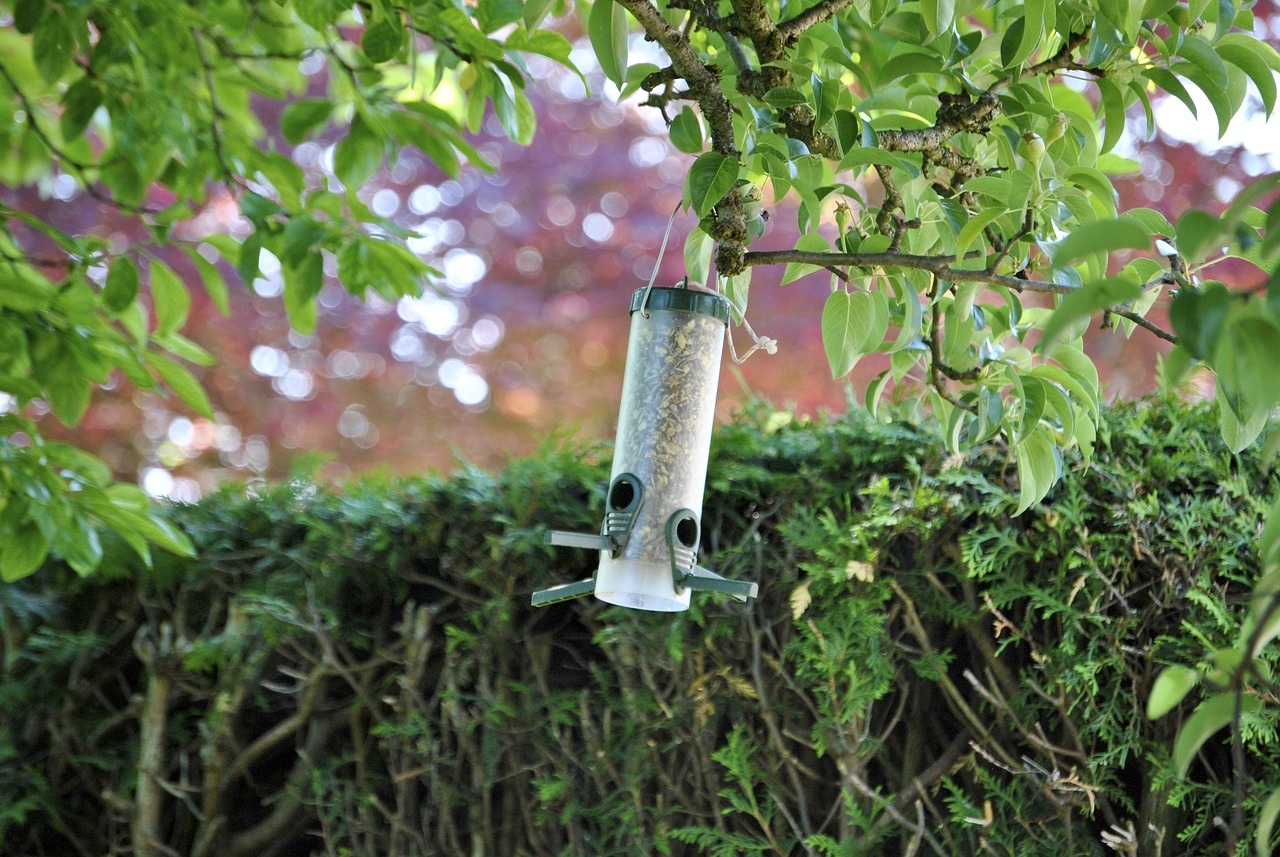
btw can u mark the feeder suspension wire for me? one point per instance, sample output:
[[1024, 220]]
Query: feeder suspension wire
[[644, 303], [765, 343]]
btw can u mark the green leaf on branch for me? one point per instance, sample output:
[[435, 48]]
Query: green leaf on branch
[[358, 155], [853, 324], [1113, 111], [67, 387], [697, 256], [303, 116], [607, 30], [1082, 303], [1239, 436], [1170, 688], [1266, 824], [939, 15], [711, 177], [122, 285], [171, 300], [302, 283], [1035, 13], [1257, 59], [183, 383], [79, 103], [736, 289], [24, 550], [383, 39], [1209, 717], [686, 132], [1101, 236], [1039, 463], [811, 242]]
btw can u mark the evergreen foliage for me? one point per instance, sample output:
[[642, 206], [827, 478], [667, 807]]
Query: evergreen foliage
[[361, 673]]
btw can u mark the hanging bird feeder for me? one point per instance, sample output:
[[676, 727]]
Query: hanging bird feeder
[[652, 526]]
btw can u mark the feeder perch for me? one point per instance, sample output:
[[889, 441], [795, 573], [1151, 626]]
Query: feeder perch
[[649, 539]]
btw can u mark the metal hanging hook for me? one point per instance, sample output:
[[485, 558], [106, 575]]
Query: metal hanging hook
[[644, 303]]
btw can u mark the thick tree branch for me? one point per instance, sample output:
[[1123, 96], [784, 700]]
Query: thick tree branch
[[954, 117], [729, 229], [704, 86], [938, 265], [791, 28]]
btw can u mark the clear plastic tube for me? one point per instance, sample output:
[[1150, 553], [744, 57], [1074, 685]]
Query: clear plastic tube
[[664, 439]]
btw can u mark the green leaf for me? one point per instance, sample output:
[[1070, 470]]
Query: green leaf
[[1266, 824], [785, 96], [1169, 82], [736, 289], [53, 46], [122, 285], [686, 132], [516, 115], [1249, 55], [130, 500], [1033, 21], [67, 388], [181, 382], [179, 346], [938, 15], [27, 15], [22, 289], [697, 256], [1198, 52], [79, 103], [171, 300], [493, 15], [1113, 113], [710, 178], [535, 11], [1170, 688], [1198, 316], [1097, 184], [811, 242], [215, 285], [24, 550], [301, 117], [977, 223], [1239, 436], [1082, 303], [383, 39], [1208, 718], [358, 155], [864, 156], [1151, 220], [607, 30], [302, 283], [846, 123], [78, 544], [853, 323], [1245, 361], [826, 97], [1102, 236], [1038, 464], [87, 468], [1197, 234]]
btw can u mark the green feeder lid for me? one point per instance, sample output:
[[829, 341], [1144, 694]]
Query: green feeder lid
[[685, 300]]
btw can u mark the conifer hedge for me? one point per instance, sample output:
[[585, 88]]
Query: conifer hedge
[[360, 672]]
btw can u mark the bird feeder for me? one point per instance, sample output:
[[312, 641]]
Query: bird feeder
[[652, 526]]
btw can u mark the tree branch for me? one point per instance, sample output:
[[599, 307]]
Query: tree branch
[[938, 265], [703, 83], [791, 28]]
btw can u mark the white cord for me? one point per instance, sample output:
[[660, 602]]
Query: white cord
[[759, 343]]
